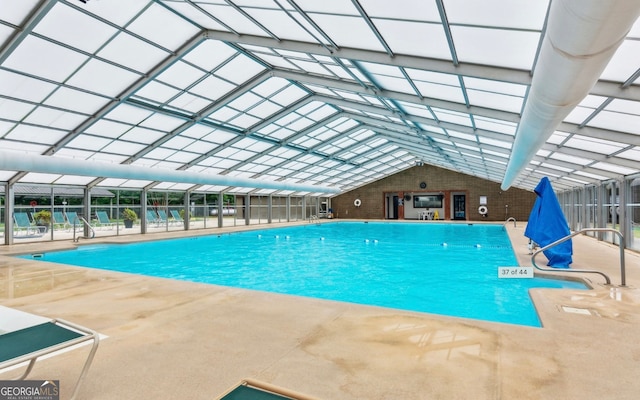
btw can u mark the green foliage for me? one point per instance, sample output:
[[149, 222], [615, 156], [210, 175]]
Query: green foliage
[[129, 214], [42, 217]]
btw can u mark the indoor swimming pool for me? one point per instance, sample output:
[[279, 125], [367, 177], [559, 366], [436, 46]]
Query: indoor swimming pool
[[448, 269]]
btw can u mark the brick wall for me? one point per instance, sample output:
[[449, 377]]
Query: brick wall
[[501, 204]]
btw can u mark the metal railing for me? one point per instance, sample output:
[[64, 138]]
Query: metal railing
[[88, 225], [581, 231], [509, 220]]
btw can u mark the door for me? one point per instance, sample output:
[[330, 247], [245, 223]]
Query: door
[[395, 207], [459, 207]]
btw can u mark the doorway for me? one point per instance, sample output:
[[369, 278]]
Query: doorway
[[459, 207], [391, 206]]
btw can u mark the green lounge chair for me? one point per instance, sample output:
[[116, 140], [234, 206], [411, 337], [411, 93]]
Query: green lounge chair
[[21, 221], [59, 220], [162, 217], [26, 337], [103, 219], [152, 217], [250, 389], [176, 217], [73, 219]]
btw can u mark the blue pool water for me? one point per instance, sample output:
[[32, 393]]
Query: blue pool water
[[448, 269]]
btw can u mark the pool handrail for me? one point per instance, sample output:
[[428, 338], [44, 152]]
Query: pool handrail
[[86, 223], [581, 231], [509, 220]]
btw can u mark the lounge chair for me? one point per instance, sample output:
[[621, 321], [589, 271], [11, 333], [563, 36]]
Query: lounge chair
[[152, 217], [72, 218], [22, 222], [162, 217], [103, 219], [250, 389], [59, 220], [26, 337], [176, 217]]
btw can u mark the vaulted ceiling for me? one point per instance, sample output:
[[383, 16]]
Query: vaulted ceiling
[[302, 96]]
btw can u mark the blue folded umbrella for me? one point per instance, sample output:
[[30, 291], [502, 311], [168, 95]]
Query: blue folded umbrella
[[548, 224]]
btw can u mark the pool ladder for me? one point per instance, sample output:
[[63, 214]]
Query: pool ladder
[[623, 279], [314, 218]]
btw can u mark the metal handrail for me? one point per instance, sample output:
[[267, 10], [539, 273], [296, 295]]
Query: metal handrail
[[85, 222], [623, 279], [507, 221]]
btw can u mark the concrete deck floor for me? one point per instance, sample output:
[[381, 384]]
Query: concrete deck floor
[[178, 340]]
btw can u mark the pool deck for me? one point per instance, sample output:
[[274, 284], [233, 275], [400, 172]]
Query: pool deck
[[168, 339]]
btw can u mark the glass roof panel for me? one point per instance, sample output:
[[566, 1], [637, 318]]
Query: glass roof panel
[[280, 24], [55, 118], [615, 168], [189, 11], [402, 9], [347, 31], [153, 23], [24, 147], [631, 154], [142, 135], [451, 116], [230, 17], [212, 88], [181, 75], [426, 39], [190, 103], [161, 122], [24, 87], [621, 119], [117, 11], [5, 33], [594, 145], [14, 110], [495, 100], [120, 48], [123, 148], [210, 54], [52, 62], [67, 25], [239, 69], [14, 12], [113, 80], [74, 180], [507, 48], [522, 14], [489, 124], [158, 92], [624, 62], [29, 133], [34, 177], [88, 142], [76, 100], [128, 114]]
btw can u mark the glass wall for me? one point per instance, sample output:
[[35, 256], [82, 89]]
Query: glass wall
[[45, 213], [612, 204]]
